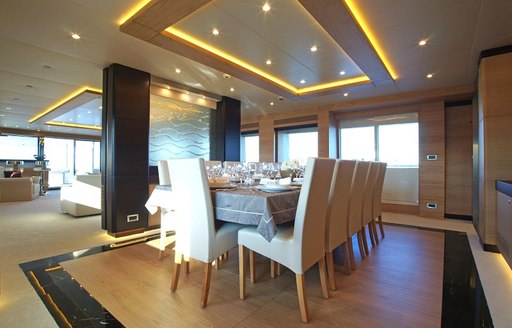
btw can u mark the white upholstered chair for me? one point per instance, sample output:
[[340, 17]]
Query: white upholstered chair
[[367, 215], [377, 201], [301, 246], [336, 224], [356, 210], [197, 236], [166, 221]]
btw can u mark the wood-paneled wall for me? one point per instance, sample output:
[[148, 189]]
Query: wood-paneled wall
[[459, 150], [495, 143], [432, 179]]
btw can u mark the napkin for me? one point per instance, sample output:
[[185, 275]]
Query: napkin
[[283, 181], [220, 180]]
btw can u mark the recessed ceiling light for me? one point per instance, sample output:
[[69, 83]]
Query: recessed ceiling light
[[430, 75], [268, 62], [215, 31], [8, 108], [266, 7], [177, 70], [79, 116], [314, 48], [16, 125], [75, 36], [71, 120], [271, 103], [423, 42], [2, 115], [88, 112], [345, 94], [302, 81], [232, 89], [203, 97], [342, 72]]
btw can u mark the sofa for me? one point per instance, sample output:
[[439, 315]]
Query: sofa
[[83, 197], [19, 189]]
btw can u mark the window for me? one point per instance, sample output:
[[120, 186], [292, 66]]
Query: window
[[358, 143], [398, 144], [60, 154], [250, 147], [18, 147], [297, 143], [392, 139]]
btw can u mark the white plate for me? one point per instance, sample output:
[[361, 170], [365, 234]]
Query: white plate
[[274, 187]]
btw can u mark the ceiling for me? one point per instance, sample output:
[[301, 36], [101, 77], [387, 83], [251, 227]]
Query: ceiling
[[40, 64]]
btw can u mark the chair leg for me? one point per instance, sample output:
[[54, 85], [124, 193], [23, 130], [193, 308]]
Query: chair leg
[[273, 269], [323, 277], [186, 259], [241, 270], [177, 266], [252, 269], [330, 270], [346, 258], [370, 232], [206, 284], [381, 227], [360, 244], [353, 266], [365, 241], [375, 234], [301, 294]]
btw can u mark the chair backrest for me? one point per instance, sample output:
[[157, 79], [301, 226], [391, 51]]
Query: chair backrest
[[337, 209], [193, 207], [309, 226], [356, 198], [164, 176], [377, 193], [369, 190]]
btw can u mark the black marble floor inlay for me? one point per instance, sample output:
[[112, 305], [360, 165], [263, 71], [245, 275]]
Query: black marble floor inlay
[[464, 302]]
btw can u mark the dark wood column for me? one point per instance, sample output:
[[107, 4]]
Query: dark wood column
[[124, 160], [227, 131]]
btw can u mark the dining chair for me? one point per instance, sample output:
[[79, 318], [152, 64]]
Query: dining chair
[[377, 201], [356, 209], [336, 223], [166, 222], [367, 214], [197, 236], [300, 246]]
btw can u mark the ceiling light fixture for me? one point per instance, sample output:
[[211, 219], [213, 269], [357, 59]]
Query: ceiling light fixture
[[177, 70], [215, 31], [314, 48], [266, 7], [75, 36], [302, 81], [423, 42], [232, 89], [8, 108], [268, 62], [345, 94], [73, 125], [342, 72], [271, 103], [430, 75]]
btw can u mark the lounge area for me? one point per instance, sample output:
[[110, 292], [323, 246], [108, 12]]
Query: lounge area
[[236, 163]]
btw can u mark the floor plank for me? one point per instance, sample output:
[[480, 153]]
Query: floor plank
[[398, 285]]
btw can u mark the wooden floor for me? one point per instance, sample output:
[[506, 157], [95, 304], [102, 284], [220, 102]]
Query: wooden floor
[[398, 285]]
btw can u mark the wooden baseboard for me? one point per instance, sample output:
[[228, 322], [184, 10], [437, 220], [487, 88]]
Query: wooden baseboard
[[404, 209]]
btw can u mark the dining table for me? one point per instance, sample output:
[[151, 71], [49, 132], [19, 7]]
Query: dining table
[[238, 203]]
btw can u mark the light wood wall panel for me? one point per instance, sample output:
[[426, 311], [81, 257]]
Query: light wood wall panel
[[432, 172], [267, 143], [327, 136], [495, 143], [459, 168]]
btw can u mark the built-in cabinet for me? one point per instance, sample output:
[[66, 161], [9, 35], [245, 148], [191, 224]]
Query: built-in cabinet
[[504, 220]]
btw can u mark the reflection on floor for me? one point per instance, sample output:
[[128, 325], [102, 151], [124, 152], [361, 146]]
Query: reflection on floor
[[463, 301]]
